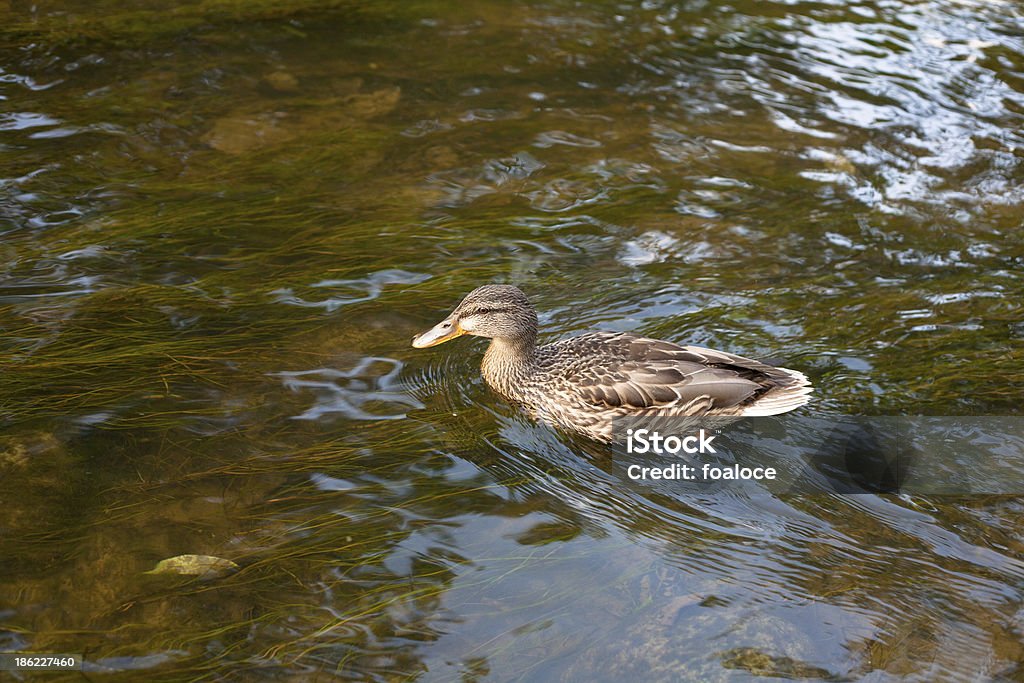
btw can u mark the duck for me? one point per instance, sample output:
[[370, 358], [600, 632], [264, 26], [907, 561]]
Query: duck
[[584, 383]]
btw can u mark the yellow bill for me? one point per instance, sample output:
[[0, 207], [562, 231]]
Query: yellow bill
[[438, 334]]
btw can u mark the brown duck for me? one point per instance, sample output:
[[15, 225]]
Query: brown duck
[[584, 382]]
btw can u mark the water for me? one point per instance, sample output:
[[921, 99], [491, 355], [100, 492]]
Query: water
[[222, 224]]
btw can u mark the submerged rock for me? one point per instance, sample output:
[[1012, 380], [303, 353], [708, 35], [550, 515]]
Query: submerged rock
[[282, 82], [239, 134], [203, 566], [369, 105]]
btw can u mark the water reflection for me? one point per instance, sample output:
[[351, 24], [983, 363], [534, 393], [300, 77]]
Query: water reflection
[[363, 289], [219, 218], [348, 391]]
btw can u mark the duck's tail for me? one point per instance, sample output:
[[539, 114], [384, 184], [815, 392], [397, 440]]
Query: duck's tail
[[788, 394]]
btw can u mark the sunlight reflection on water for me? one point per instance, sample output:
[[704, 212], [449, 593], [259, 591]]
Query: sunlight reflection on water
[[350, 392], [222, 230]]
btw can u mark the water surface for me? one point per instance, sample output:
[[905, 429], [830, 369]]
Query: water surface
[[222, 223]]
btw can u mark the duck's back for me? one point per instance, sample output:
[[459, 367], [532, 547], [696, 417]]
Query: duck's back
[[613, 374]]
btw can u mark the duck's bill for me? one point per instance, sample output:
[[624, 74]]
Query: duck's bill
[[438, 334]]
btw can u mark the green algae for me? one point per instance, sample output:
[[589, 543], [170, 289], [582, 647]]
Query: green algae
[[111, 24]]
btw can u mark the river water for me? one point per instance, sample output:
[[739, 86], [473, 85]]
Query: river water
[[222, 222]]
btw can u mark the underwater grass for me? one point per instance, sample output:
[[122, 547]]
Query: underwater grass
[[118, 27], [154, 393]]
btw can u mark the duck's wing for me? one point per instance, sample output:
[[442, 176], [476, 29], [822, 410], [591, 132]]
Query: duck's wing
[[633, 372]]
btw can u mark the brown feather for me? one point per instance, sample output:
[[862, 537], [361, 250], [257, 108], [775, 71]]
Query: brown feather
[[583, 383]]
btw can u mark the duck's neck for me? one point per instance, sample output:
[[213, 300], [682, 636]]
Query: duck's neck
[[507, 363]]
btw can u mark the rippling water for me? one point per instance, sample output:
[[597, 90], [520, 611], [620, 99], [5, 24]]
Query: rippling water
[[222, 223]]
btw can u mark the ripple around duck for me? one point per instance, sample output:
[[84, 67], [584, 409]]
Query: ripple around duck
[[370, 390], [579, 476], [447, 379]]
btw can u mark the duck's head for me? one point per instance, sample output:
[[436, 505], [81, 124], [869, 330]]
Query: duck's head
[[492, 311]]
